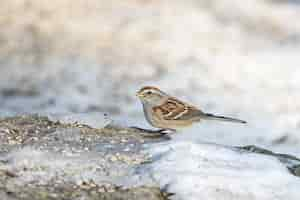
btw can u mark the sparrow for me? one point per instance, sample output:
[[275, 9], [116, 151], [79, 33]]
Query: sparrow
[[169, 113]]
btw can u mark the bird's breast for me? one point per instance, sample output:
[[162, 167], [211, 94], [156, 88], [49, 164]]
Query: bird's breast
[[148, 114]]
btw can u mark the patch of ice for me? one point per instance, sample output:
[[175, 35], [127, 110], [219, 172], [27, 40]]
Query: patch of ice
[[207, 171], [32, 165]]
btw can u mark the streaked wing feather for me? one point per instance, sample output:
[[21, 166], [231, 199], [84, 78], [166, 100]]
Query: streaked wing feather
[[174, 109], [192, 114]]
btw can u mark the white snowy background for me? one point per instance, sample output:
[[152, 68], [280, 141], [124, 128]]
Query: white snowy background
[[229, 57]]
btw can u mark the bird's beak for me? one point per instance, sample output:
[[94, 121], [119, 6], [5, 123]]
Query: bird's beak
[[139, 95]]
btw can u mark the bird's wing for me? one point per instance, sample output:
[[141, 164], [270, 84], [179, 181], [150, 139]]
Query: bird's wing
[[174, 109]]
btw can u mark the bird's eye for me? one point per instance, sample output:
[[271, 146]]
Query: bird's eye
[[149, 92]]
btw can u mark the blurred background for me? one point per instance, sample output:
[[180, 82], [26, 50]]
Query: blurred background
[[230, 57]]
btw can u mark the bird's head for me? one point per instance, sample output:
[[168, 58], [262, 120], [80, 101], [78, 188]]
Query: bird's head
[[151, 95]]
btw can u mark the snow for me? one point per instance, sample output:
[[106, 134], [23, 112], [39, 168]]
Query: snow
[[195, 171], [43, 167]]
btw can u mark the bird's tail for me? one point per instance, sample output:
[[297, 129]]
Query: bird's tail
[[209, 116]]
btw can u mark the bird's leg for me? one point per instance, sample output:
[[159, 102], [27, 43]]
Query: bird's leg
[[150, 133], [148, 130], [160, 131]]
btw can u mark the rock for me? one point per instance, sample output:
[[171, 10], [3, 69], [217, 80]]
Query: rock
[[45, 159]]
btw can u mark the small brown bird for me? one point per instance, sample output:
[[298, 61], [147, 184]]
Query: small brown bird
[[168, 113]]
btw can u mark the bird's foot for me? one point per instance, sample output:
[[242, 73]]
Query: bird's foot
[[159, 132], [148, 130]]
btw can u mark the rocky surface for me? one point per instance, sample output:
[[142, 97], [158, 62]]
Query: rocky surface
[[48, 159], [43, 159]]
